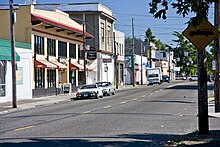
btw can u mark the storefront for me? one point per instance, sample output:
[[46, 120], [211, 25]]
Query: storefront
[[23, 71]]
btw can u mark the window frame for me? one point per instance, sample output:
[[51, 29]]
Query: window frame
[[38, 45]]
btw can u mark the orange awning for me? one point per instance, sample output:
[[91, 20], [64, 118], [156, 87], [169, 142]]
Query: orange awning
[[77, 65], [44, 64], [60, 65], [39, 18]]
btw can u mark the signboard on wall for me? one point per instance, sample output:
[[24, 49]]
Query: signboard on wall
[[19, 76]]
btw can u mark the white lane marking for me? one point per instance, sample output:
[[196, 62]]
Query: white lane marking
[[124, 102], [106, 107], [86, 112]]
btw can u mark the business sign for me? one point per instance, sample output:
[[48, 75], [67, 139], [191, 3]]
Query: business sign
[[107, 60], [91, 54], [201, 35]]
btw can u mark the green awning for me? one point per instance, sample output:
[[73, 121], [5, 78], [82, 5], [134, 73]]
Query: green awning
[[5, 49], [5, 54]]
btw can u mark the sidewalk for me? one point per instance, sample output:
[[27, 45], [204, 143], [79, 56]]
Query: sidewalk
[[35, 102]]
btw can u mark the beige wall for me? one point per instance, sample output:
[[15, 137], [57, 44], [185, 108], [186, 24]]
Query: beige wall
[[21, 27]]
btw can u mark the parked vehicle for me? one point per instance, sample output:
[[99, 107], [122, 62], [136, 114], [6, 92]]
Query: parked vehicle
[[180, 77], [107, 88], [154, 75], [166, 78], [193, 78], [89, 91]]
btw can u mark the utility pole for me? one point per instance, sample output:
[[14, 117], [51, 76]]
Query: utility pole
[[141, 66], [84, 50], [217, 56], [115, 63], [202, 91], [13, 64], [133, 52]]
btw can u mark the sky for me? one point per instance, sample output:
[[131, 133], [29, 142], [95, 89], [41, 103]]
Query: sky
[[125, 10]]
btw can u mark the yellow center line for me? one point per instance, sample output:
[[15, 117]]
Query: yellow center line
[[106, 107], [86, 112], [124, 102], [27, 127]]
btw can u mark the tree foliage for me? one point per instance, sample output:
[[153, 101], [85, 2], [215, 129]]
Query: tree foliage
[[159, 8]]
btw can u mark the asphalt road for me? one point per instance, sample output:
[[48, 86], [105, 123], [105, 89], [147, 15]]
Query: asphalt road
[[139, 116]]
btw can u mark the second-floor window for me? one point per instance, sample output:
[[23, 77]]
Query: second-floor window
[[39, 45], [108, 35], [62, 49], [72, 50], [80, 52], [102, 32], [51, 47]]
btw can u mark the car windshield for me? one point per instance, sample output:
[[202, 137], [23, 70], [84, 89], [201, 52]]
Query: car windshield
[[165, 76], [153, 75], [103, 84], [88, 86]]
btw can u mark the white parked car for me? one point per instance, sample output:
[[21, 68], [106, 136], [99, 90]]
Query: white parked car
[[108, 88], [89, 91], [193, 78]]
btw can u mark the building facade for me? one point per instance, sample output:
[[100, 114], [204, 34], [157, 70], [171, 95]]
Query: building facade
[[55, 41], [99, 22], [23, 71]]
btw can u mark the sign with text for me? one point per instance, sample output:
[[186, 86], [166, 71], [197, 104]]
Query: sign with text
[[91, 54]]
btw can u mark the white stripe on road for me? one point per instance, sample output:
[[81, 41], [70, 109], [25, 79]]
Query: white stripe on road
[[106, 107]]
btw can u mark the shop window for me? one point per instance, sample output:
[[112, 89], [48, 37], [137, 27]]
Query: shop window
[[62, 49], [51, 78], [2, 78], [39, 77], [72, 51], [72, 78], [51, 47], [39, 45]]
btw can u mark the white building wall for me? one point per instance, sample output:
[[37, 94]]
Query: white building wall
[[23, 75]]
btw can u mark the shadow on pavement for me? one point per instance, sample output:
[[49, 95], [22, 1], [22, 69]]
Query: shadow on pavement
[[126, 140], [190, 87]]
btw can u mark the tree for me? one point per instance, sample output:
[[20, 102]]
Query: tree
[[128, 45], [187, 64], [149, 36], [183, 8]]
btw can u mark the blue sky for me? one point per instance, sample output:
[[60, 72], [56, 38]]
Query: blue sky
[[124, 10]]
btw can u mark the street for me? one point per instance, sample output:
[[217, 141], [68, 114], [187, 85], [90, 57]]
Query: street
[[139, 116]]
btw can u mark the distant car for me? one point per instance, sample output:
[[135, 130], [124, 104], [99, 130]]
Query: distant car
[[165, 78], [89, 91], [180, 77], [193, 78], [107, 87]]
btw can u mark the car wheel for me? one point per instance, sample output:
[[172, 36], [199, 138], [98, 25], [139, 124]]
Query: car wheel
[[190, 80], [97, 95], [113, 93], [109, 93]]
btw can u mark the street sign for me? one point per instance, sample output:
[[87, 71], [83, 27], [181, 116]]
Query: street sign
[[202, 34]]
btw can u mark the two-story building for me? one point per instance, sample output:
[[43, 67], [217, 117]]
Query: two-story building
[[99, 22]]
